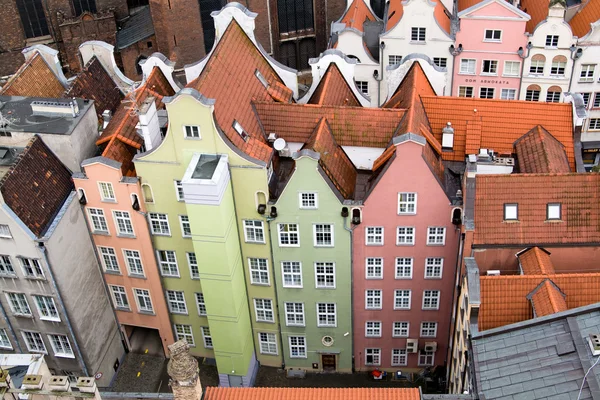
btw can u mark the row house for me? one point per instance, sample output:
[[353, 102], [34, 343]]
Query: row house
[[47, 266]]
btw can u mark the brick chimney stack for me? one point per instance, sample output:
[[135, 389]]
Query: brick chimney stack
[[183, 370]]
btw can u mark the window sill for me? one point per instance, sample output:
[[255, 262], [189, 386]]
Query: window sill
[[261, 284], [592, 81], [49, 319], [101, 233], [467, 73], [106, 271], [435, 244], [418, 42], [491, 41], [137, 276], [178, 313], [430, 309], [401, 309], [35, 278], [413, 213], [403, 277], [170, 276], [123, 309], [195, 278], [488, 74], [251, 242], [374, 244], [405, 244], [6, 348], [295, 325], [293, 287], [326, 246], [64, 355], [125, 235], [11, 276], [433, 277], [265, 322], [374, 278], [373, 309], [161, 234], [186, 237], [325, 288], [5, 237], [550, 47], [289, 245], [192, 138], [510, 76], [108, 201], [146, 312]]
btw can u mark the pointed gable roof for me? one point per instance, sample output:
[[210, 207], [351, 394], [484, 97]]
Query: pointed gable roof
[[537, 9], [581, 22], [34, 79], [333, 90], [396, 11], [535, 261], [547, 299], [357, 13], [539, 152]]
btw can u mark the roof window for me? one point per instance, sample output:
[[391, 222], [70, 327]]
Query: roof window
[[240, 130], [261, 78], [511, 211], [553, 211]]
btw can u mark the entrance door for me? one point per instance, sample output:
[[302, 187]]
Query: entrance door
[[328, 361]]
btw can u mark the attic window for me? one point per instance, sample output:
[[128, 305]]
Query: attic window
[[240, 130], [261, 78], [553, 211], [511, 211]]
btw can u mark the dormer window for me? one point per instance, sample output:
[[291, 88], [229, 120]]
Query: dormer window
[[511, 212], [240, 130], [553, 211]]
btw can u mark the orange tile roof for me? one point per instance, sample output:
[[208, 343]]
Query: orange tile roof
[[229, 78], [396, 11], [333, 160], [580, 23], [442, 16], [464, 4], [537, 10], [382, 159], [502, 123], [578, 195], [333, 90], [226, 393], [539, 152], [357, 13], [504, 298], [536, 261], [279, 92], [351, 126], [547, 299], [35, 79]]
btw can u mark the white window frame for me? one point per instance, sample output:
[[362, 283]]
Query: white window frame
[[184, 334], [508, 94], [587, 73], [509, 67], [251, 229], [428, 329], [267, 343], [324, 234], [177, 298], [372, 329], [532, 95], [375, 353], [553, 39], [553, 211], [263, 310], [109, 252], [131, 261], [536, 67], [431, 264], [594, 124], [406, 235], [105, 195], [557, 67], [5, 342], [405, 203], [193, 265], [401, 356], [190, 134], [97, 215], [553, 97], [44, 306], [35, 349], [5, 231], [436, 236], [19, 305], [200, 304], [374, 235], [144, 293], [6, 266], [440, 60], [300, 346], [294, 313], [35, 264], [182, 225], [424, 356], [122, 294], [400, 298], [160, 219], [327, 313], [64, 343], [492, 39], [123, 218], [308, 200], [470, 64], [179, 194], [291, 274], [376, 297], [463, 91], [401, 330], [400, 268], [487, 92], [511, 211], [261, 269], [433, 297], [362, 86], [394, 59], [374, 268], [325, 274], [288, 234], [420, 34], [493, 67], [168, 271]]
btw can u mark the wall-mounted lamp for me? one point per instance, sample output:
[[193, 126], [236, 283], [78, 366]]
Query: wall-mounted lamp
[[456, 50]]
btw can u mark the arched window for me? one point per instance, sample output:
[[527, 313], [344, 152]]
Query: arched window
[[356, 216], [559, 64], [537, 64], [138, 67], [553, 95], [533, 93], [147, 192], [82, 197], [135, 202], [33, 18], [457, 216], [260, 199]]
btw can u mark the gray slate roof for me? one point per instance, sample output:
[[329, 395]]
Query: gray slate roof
[[138, 27], [542, 358]]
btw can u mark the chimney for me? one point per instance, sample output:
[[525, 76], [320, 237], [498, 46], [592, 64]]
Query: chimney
[[183, 370], [88, 385], [106, 117], [149, 125], [448, 137]]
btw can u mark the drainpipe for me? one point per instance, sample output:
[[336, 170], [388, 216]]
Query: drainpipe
[[454, 51], [10, 328], [521, 53], [351, 231], [378, 75], [576, 53], [455, 294], [80, 359]]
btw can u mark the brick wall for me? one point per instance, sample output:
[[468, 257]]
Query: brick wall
[[129, 56], [12, 39], [261, 32]]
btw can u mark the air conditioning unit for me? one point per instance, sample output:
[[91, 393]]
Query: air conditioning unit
[[594, 342], [493, 272], [430, 346], [412, 345]]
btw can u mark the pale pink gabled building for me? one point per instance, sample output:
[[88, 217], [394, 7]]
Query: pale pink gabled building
[[489, 50]]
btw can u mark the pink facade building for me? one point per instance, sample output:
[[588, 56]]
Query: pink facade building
[[489, 50]]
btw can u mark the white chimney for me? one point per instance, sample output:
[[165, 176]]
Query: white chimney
[[149, 125], [448, 137], [59, 384], [106, 117]]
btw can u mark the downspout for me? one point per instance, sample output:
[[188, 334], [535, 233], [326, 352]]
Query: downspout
[[80, 359], [455, 294], [10, 328], [351, 231], [576, 53], [270, 27], [380, 77], [520, 53]]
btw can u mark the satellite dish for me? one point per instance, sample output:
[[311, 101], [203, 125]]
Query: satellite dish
[[279, 144]]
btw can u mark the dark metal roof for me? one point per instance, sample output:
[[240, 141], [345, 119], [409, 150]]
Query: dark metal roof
[[138, 27]]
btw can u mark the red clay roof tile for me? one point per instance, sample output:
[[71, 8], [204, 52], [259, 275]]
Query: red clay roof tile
[[226, 393], [396, 11], [386, 155], [580, 23], [536, 261], [357, 13], [279, 92], [333, 89], [537, 10], [539, 152], [547, 299], [35, 79]]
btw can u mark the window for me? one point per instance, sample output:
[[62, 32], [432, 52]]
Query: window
[[309, 201], [168, 263], [558, 66], [4, 340], [417, 34], [208, 26], [186, 229], [6, 267], [363, 86], [436, 235], [511, 211], [253, 231], [123, 222], [373, 299], [294, 314], [119, 297], [399, 357], [596, 100], [259, 271], [537, 64], [98, 220], [467, 66], [374, 268], [5, 231], [326, 315], [373, 329], [404, 267], [264, 310], [512, 68], [34, 342], [192, 131], [373, 356], [32, 268], [374, 235], [297, 346], [587, 73], [533, 93], [179, 195], [80, 6], [323, 235], [553, 97], [295, 15], [401, 299], [241, 131], [508, 94], [394, 59], [61, 346], [594, 124], [200, 304], [428, 329], [144, 302], [184, 332], [493, 35], [434, 267], [106, 191], [193, 264], [586, 99], [405, 235], [292, 274], [325, 275], [489, 67], [425, 358], [133, 258], [33, 18], [267, 343], [18, 304], [46, 308], [407, 203], [289, 235], [108, 256], [176, 302], [551, 40], [553, 211], [431, 299], [486, 93], [401, 329], [440, 61], [159, 224], [465, 91]]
